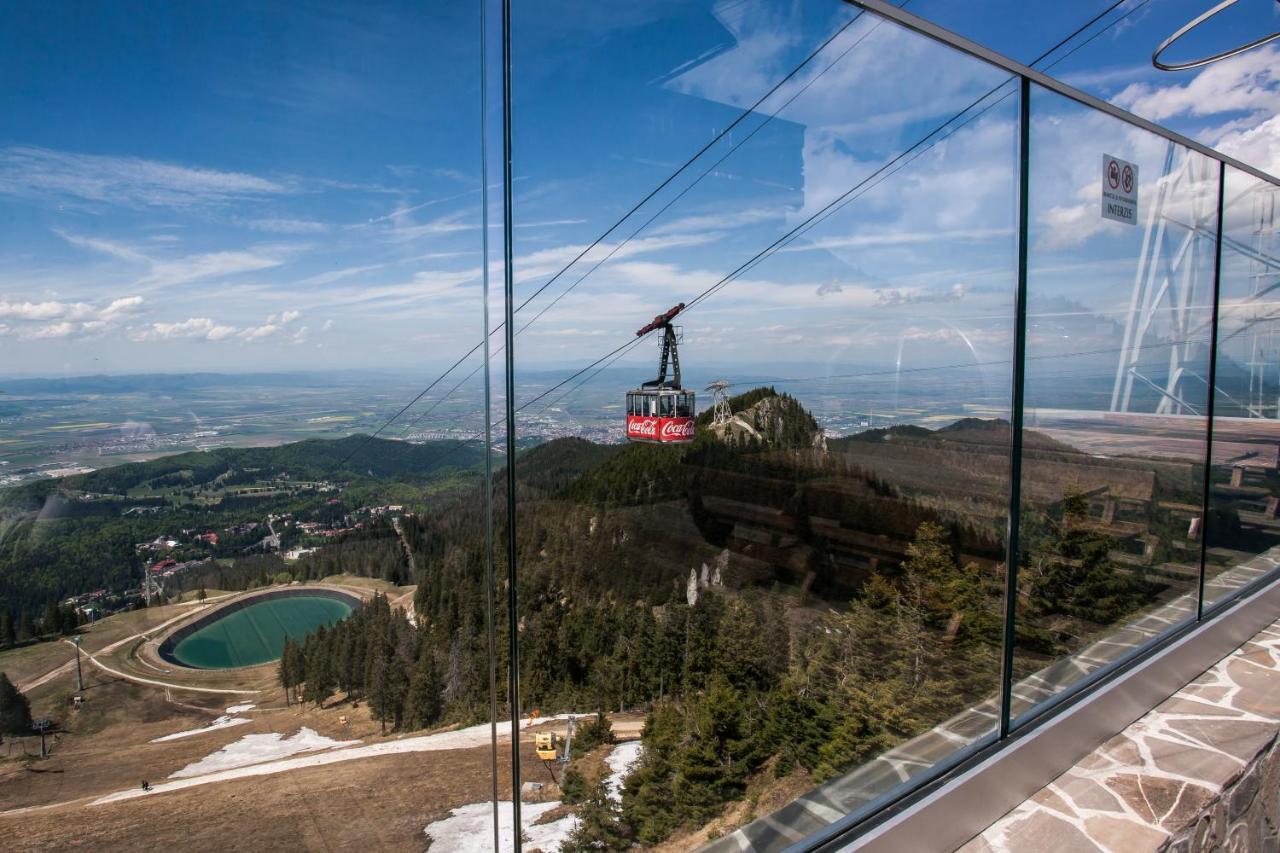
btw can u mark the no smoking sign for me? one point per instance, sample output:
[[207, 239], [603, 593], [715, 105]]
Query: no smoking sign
[[1119, 190]]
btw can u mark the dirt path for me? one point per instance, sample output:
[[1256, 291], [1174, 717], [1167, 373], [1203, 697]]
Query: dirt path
[[472, 737], [137, 679], [69, 665]]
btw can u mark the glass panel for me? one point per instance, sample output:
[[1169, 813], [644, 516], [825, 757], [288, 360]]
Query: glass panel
[[236, 241], [1118, 326], [802, 607], [1244, 530]]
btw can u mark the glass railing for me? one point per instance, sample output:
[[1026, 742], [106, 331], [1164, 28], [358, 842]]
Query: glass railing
[[342, 501]]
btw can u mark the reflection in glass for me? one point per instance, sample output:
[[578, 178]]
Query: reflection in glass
[[1244, 528], [784, 618], [1118, 335]]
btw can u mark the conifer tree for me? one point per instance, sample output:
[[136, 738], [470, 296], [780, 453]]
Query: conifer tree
[[51, 621], [385, 678], [26, 628], [647, 791], [423, 704], [600, 825], [8, 636], [15, 710], [712, 769], [286, 670], [319, 668]]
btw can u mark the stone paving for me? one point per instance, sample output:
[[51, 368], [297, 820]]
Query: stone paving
[[1158, 784], [835, 799]]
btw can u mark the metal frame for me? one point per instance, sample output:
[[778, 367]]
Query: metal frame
[[1207, 493], [509, 299], [1208, 60], [1013, 545]]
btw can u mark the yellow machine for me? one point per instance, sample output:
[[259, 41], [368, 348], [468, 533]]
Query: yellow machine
[[547, 745]]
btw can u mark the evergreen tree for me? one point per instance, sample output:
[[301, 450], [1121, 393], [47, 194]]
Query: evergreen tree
[[286, 670], [573, 786], [647, 791], [799, 725], [8, 636], [15, 710], [598, 730], [424, 701], [319, 668], [712, 768], [51, 621], [26, 628], [385, 680], [600, 825]]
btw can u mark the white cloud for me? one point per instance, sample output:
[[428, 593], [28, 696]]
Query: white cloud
[[915, 295], [94, 318], [1248, 82], [195, 328], [287, 226], [289, 316], [124, 305], [64, 329], [50, 310], [185, 269], [1259, 146], [43, 173], [338, 274], [257, 333], [1069, 226]]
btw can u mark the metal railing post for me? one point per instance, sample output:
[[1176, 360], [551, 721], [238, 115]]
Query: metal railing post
[[1012, 546], [1213, 392]]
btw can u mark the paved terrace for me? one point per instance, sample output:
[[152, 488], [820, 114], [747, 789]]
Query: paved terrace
[[1198, 772], [838, 797]]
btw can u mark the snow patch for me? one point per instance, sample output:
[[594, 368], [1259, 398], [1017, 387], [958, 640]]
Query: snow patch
[[254, 749], [469, 828], [467, 738], [620, 761], [226, 721], [240, 709]]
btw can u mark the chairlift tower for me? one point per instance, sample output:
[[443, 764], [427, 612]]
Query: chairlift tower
[[720, 393], [79, 678], [1165, 306], [1264, 275]]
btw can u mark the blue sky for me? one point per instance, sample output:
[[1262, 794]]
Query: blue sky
[[256, 186]]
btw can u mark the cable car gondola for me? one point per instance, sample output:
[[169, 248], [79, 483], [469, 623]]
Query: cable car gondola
[[661, 412]]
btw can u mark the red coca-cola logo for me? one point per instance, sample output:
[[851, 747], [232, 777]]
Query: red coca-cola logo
[[646, 427], [679, 428]]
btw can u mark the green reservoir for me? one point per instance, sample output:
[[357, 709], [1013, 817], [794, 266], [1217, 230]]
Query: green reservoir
[[256, 633]]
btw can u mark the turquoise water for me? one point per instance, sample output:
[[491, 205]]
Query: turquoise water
[[256, 634]]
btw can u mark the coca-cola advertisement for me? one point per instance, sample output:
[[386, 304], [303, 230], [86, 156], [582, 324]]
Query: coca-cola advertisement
[[659, 430]]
